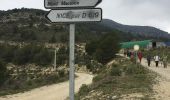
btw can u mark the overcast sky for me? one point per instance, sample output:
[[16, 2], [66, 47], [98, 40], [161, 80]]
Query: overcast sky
[[131, 12]]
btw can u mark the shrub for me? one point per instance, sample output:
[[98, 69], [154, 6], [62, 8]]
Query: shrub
[[27, 54], [29, 83], [115, 71], [97, 78], [83, 90], [52, 78], [104, 49], [133, 69], [61, 73], [3, 73]]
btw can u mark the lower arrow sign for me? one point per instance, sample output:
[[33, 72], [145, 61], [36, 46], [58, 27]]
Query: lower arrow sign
[[75, 15]]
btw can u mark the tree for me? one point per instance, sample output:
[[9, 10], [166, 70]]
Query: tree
[[3, 73], [91, 47], [53, 39], [44, 57], [22, 56], [64, 38], [28, 35], [104, 49], [15, 29]]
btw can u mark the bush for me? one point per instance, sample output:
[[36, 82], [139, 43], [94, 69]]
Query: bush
[[3, 73], [104, 49], [133, 69], [83, 90], [52, 78], [115, 71], [44, 57], [97, 78], [27, 54], [61, 73]]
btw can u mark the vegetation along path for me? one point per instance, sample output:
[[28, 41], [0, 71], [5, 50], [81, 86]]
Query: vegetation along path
[[163, 88], [52, 92]]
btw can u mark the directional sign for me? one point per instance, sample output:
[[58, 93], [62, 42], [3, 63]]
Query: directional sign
[[49, 4], [75, 15]]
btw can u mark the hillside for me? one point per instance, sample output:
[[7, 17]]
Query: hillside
[[30, 25], [146, 31]]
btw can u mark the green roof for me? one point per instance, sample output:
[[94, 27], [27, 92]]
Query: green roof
[[142, 44]]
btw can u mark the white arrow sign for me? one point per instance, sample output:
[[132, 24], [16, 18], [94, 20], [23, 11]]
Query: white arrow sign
[[76, 15], [70, 3]]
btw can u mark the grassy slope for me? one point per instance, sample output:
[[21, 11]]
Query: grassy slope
[[120, 81], [24, 82]]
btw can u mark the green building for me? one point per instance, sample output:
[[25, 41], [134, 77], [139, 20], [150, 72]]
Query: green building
[[142, 44]]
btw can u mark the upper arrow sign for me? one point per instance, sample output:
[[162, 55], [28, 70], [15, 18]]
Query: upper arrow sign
[[49, 4]]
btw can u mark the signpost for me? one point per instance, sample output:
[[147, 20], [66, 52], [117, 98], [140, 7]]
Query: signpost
[[75, 15], [74, 11], [50, 4]]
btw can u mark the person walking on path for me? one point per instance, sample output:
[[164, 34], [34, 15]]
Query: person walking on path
[[128, 54], [140, 56], [132, 56], [165, 61], [157, 59], [149, 59]]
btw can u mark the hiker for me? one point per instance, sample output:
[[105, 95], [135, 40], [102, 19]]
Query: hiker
[[125, 53], [140, 56], [132, 56], [128, 54], [165, 61], [149, 59], [157, 59]]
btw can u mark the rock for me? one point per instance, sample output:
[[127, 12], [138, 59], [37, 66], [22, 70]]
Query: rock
[[114, 97]]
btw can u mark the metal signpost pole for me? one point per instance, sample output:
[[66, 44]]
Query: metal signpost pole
[[55, 59], [71, 61]]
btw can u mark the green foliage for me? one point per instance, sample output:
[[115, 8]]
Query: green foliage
[[27, 35], [53, 39], [25, 83], [44, 57], [83, 90], [3, 73], [38, 29], [115, 71], [94, 66], [26, 54], [133, 69], [105, 48], [109, 82], [61, 73], [98, 78], [7, 53], [91, 47]]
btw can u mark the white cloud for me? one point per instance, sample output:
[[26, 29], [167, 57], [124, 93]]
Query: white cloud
[[138, 12], [11, 4]]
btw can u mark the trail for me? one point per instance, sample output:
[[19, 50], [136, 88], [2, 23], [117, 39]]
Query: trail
[[53, 92], [162, 89]]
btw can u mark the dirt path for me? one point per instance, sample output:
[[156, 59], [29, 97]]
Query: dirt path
[[52, 92], [162, 89]]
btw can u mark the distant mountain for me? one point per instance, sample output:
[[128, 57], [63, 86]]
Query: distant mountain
[[145, 31], [30, 25]]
